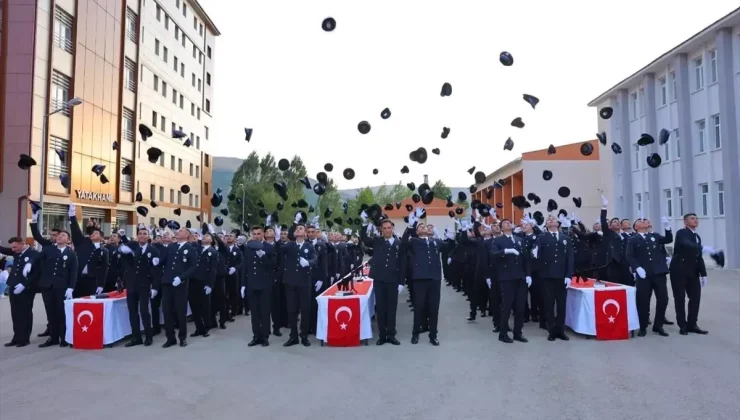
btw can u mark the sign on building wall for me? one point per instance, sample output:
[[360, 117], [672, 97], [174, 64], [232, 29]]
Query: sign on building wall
[[93, 196]]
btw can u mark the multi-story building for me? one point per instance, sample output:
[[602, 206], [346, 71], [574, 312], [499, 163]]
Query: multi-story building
[[583, 175], [692, 92], [77, 77]]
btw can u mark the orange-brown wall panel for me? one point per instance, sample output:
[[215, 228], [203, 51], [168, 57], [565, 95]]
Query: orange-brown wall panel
[[518, 190]]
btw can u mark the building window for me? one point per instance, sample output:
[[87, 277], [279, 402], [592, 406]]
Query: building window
[[637, 157], [161, 193], [713, 66], [182, 70], [126, 183], [156, 46], [197, 200], [174, 96], [674, 86], [155, 120], [208, 51], [56, 166], [679, 194], [161, 160], [172, 162], [63, 22], [132, 25], [208, 105], [720, 198], [638, 201], [172, 195], [195, 23], [179, 197], [60, 86], [152, 192], [164, 88], [197, 171], [129, 75], [177, 3], [200, 58], [159, 13], [666, 152], [197, 142], [699, 73], [156, 82], [200, 29], [173, 126], [164, 53], [192, 79], [166, 22], [183, 39], [633, 102], [205, 189], [182, 101], [208, 79], [677, 142], [717, 133], [185, 10], [163, 122], [127, 124], [192, 169], [207, 160], [177, 32], [198, 113], [195, 51], [179, 165], [207, 131], [642, 101], [190, 200], [704, 190], [663, 91], [668, 203], [200, 83], [174, 63], [701, 128], [192, 109]]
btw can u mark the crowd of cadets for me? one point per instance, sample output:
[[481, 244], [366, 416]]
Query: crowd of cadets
[[277, 272]]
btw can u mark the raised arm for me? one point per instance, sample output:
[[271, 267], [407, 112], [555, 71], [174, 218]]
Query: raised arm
[[77, 236], [37, 235]]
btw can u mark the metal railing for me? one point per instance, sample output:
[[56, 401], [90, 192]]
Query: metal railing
[[63, 43], [59, 104]]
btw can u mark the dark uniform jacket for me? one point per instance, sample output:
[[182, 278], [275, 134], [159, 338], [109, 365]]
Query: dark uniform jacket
[[29, 256], [555, 256], [58, 268], [95, 259], [612, 242], [646, 252], [320, 271], [293, 273], [687, 254], [424, 253], [509, 266], [389, 260], [207, 268], [258, 273], [115, 269], [139, 271], [178, 261]]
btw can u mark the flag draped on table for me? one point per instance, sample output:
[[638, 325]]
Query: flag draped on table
[[344, 322], [611, 314], [88, 325]]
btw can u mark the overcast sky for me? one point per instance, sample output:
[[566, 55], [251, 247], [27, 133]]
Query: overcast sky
[[304, 90]]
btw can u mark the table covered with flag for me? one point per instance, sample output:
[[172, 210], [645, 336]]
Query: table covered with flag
[[345, 321], [93, 323], [608, 313]]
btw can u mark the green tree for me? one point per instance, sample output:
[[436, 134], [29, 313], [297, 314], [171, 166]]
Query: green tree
[[331, 199], [441, 190]]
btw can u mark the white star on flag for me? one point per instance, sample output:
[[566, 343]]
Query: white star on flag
[[343, 326], [84, 328], [611, 319]]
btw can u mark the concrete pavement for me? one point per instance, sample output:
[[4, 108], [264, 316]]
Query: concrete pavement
[[470, 376]]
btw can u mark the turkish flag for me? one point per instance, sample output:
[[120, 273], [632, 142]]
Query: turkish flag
[[344, 322], [87, 321], [610, 308]]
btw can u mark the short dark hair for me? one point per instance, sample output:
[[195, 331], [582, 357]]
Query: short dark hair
[[297, 225], [142, 228], [15, 239], [257, 227], [613, 219], [387, 221], [269, 228], [60, 231], [687, 215], [624, 220], [505, 220], [57, 230]]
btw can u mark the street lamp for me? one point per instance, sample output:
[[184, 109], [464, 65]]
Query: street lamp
[[243, 201], [69, 104]]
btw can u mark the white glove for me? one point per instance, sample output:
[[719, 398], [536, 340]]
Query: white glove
[[68, 294], [18, 289], [535, 250], [208, 290], [564, 222], [600, 233], [155, 261], [244, 289], [26, 269], [347, 231], [488, 282], [298, 218], [666, 223], [35, 218], [449, 260], [337, 276], [72, 212], [576, 219], [318, 285], [419, 212], [268, 220], [124, 249], [604, 201], [708, 250], [276, 228], [667, 260], [303, 262], [176, 282], [121, 232], [703, 281], [641, 272], [412, 219], [315, 221], [567, 282], [153, 293], [517, 229], [99, 290], [529, 281], [400, 289], [351, 266], [260, 253], [436, 232], [363, 216], [511, 251], [84, 270], [232, 270]]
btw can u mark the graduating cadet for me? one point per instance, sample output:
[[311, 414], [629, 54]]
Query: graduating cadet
[[554, 253], [141, 276], [178, 264], [514, 280], [618, 270], [92, 258], [688, 274], [320, 272], [648, 262], [536, 304], [426, 271], [233, 276], [279, 299], [257, 283], [39, 238], [22, 283], [57, 282], [114, 261], [201, 285], [387, 268], [218, 294], [298, 258], [156, 301]]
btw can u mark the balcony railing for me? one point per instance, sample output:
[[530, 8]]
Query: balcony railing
[[61, 105], [63, 43], [128, 135]]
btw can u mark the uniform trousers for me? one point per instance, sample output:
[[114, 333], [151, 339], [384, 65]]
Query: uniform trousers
[[54, 305], [218, 302], [156, 304], [21, 312], [386, 305], [85, 286], [683, 285], [457, 271], [645, 288], [260, 301], [298, 299], [494, 295], [279, 310], [426, 305], [535, 305], [232, 293], [513, 297], [620, 273], [175, 309], [200, 306], [137, 301], [554, 294], [315, 304]]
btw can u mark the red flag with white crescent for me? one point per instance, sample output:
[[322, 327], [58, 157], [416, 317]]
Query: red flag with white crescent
[[87, 320], [610, 309], [344, 322]]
